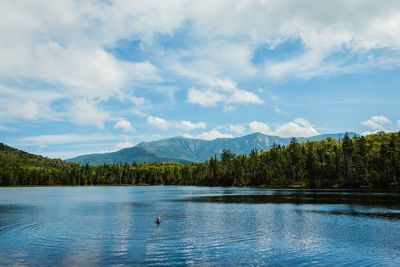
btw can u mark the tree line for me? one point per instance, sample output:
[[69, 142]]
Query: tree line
[[371, 161]]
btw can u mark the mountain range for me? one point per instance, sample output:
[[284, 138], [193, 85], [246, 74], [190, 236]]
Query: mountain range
[[185, 150]]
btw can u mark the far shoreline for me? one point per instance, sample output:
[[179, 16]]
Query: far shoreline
[[294, 188]]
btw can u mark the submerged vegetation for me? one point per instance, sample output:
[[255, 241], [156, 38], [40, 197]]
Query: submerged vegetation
[[372, 161]]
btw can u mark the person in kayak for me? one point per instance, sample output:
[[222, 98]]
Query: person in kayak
[[158, 220]]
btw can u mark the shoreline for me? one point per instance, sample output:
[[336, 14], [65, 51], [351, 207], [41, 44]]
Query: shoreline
[[295, 188]]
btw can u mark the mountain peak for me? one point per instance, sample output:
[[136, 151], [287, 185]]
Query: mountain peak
[[182, 149]]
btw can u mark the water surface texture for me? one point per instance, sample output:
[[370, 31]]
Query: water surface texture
[[109, 226]]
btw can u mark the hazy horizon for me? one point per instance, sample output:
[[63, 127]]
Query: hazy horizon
[[181, 136]]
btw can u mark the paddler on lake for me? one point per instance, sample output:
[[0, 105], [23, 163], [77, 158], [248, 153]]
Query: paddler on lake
[[158, 220]]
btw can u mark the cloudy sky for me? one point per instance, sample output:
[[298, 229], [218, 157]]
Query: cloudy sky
[[92, 76]]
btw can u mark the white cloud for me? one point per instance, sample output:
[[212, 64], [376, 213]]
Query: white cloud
[[187, 135], [305, 66], [369, 132], [65, 46], [372, 125], [260, 127], [138, 113], [86, 112], [222, 91], [89, 73], [208, 135], [91, 79], [158, 122], [376, 123], [298, 128], [28, 110], [123, 125], [214, 58], [237, 128], [17, 103], [189, 126], [164, 124], [217, 132], [122, 145], [213, 134], [362, 24], [379, 123], [323, 29], [229, 39], [56, 139], [381, 119], [204, 98], [64, 42], [244, 97]]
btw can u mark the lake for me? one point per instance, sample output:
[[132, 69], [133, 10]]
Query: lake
[[110, 226]]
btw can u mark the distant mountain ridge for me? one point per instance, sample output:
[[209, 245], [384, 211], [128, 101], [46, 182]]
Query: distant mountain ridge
[[185, 150]]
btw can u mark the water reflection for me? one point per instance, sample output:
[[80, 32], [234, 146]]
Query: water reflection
[[379, 215], [200, 226], [305, 197]]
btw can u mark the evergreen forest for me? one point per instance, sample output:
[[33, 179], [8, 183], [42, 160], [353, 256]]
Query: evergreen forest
[[371, 161]]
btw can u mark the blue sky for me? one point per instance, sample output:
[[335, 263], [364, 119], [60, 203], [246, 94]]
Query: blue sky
[[81, 77]]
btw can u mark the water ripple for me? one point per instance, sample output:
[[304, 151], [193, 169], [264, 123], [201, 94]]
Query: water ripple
[[200, 227]]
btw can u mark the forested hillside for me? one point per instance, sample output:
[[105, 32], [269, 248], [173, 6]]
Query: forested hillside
[[185, 150], [372, 161], [21, 168]]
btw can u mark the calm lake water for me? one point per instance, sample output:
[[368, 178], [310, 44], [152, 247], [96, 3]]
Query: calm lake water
[[108, 226]]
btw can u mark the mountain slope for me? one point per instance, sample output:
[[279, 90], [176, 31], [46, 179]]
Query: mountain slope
[[184, 150], [130, 155], [12, 157]]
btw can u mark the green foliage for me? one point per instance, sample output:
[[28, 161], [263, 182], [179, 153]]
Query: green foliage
[[359, 162], [186, 150]]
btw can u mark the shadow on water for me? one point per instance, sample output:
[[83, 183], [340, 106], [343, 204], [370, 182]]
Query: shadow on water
[[387, 200], [110, 226], [378, 215]]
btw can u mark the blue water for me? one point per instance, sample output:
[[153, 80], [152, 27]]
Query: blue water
[[114, 226]]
